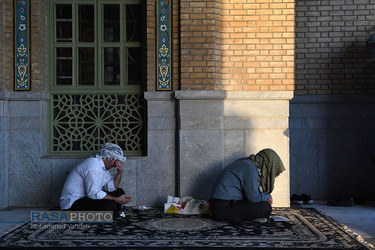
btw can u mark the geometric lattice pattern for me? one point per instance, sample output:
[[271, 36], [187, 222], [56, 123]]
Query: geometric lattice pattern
[[82, 123]]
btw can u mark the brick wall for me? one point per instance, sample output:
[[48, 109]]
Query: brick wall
[[331, 54], [175, 44], [237, 44], [39, 45], [230, 45], [258, 45], [240, 45], [150, 40], [1, 45], [200, 30]]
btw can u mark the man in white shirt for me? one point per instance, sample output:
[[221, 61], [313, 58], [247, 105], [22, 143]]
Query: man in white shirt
[[90, 186]]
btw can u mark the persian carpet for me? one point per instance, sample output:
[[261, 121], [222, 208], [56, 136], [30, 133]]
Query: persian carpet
[[307, 228]]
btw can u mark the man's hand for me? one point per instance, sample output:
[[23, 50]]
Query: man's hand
[[122, 199], [270, 200], [116, 181], [118, 166]]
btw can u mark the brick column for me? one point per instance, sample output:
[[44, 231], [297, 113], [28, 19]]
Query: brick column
[[200, 31], [258, 45], [39, 45], [151, 53], [1, 46], [241, 45]]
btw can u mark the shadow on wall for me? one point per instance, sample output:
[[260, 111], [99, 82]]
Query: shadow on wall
[[201, 140], [332, 119], [202, 185], [333, 136], [350, 69]]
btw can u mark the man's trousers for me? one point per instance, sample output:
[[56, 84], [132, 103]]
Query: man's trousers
[[87, 204]]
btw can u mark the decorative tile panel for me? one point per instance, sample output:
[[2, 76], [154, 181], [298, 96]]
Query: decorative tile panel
[[21, 45], [163, 45]]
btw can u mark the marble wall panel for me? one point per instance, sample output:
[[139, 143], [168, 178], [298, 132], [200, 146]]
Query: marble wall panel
[[201, 160], [156, 173], [161, 123], [29, 177], [201, 108], [4, 135], [160, 108], [234, 145], [25, 109], [25, 123], [129, 180], [256, 108], [199, 122], [249, 122]]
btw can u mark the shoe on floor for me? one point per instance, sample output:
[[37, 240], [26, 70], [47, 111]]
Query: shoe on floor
[[296, 199], [260, 220], [306, 199]]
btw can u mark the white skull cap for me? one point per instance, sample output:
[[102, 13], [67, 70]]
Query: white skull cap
[[111, 150]]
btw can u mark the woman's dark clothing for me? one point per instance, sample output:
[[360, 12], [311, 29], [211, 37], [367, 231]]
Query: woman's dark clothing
[[240, 210], [236, 193]]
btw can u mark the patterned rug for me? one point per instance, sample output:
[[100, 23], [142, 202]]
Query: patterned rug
[[307, 228]]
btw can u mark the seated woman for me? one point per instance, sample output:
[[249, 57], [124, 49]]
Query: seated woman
[[243, 189]]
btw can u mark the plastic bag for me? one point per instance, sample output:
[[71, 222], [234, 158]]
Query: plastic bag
[[186, 205]]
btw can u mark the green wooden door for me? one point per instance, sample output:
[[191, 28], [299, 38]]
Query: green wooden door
[[96, 76]]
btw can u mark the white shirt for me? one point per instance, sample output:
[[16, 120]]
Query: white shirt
[[87, 179]]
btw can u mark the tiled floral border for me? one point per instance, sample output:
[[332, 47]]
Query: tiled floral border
[[21, 45], [163, 45]]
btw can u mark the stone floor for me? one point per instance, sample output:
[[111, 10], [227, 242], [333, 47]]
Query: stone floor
[[11, 217], [359, 218]]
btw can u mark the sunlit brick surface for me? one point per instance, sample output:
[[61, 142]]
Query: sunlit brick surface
[[237, 45]]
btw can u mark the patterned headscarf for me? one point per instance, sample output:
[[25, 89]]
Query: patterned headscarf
[[270, 165], [112, 151]]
